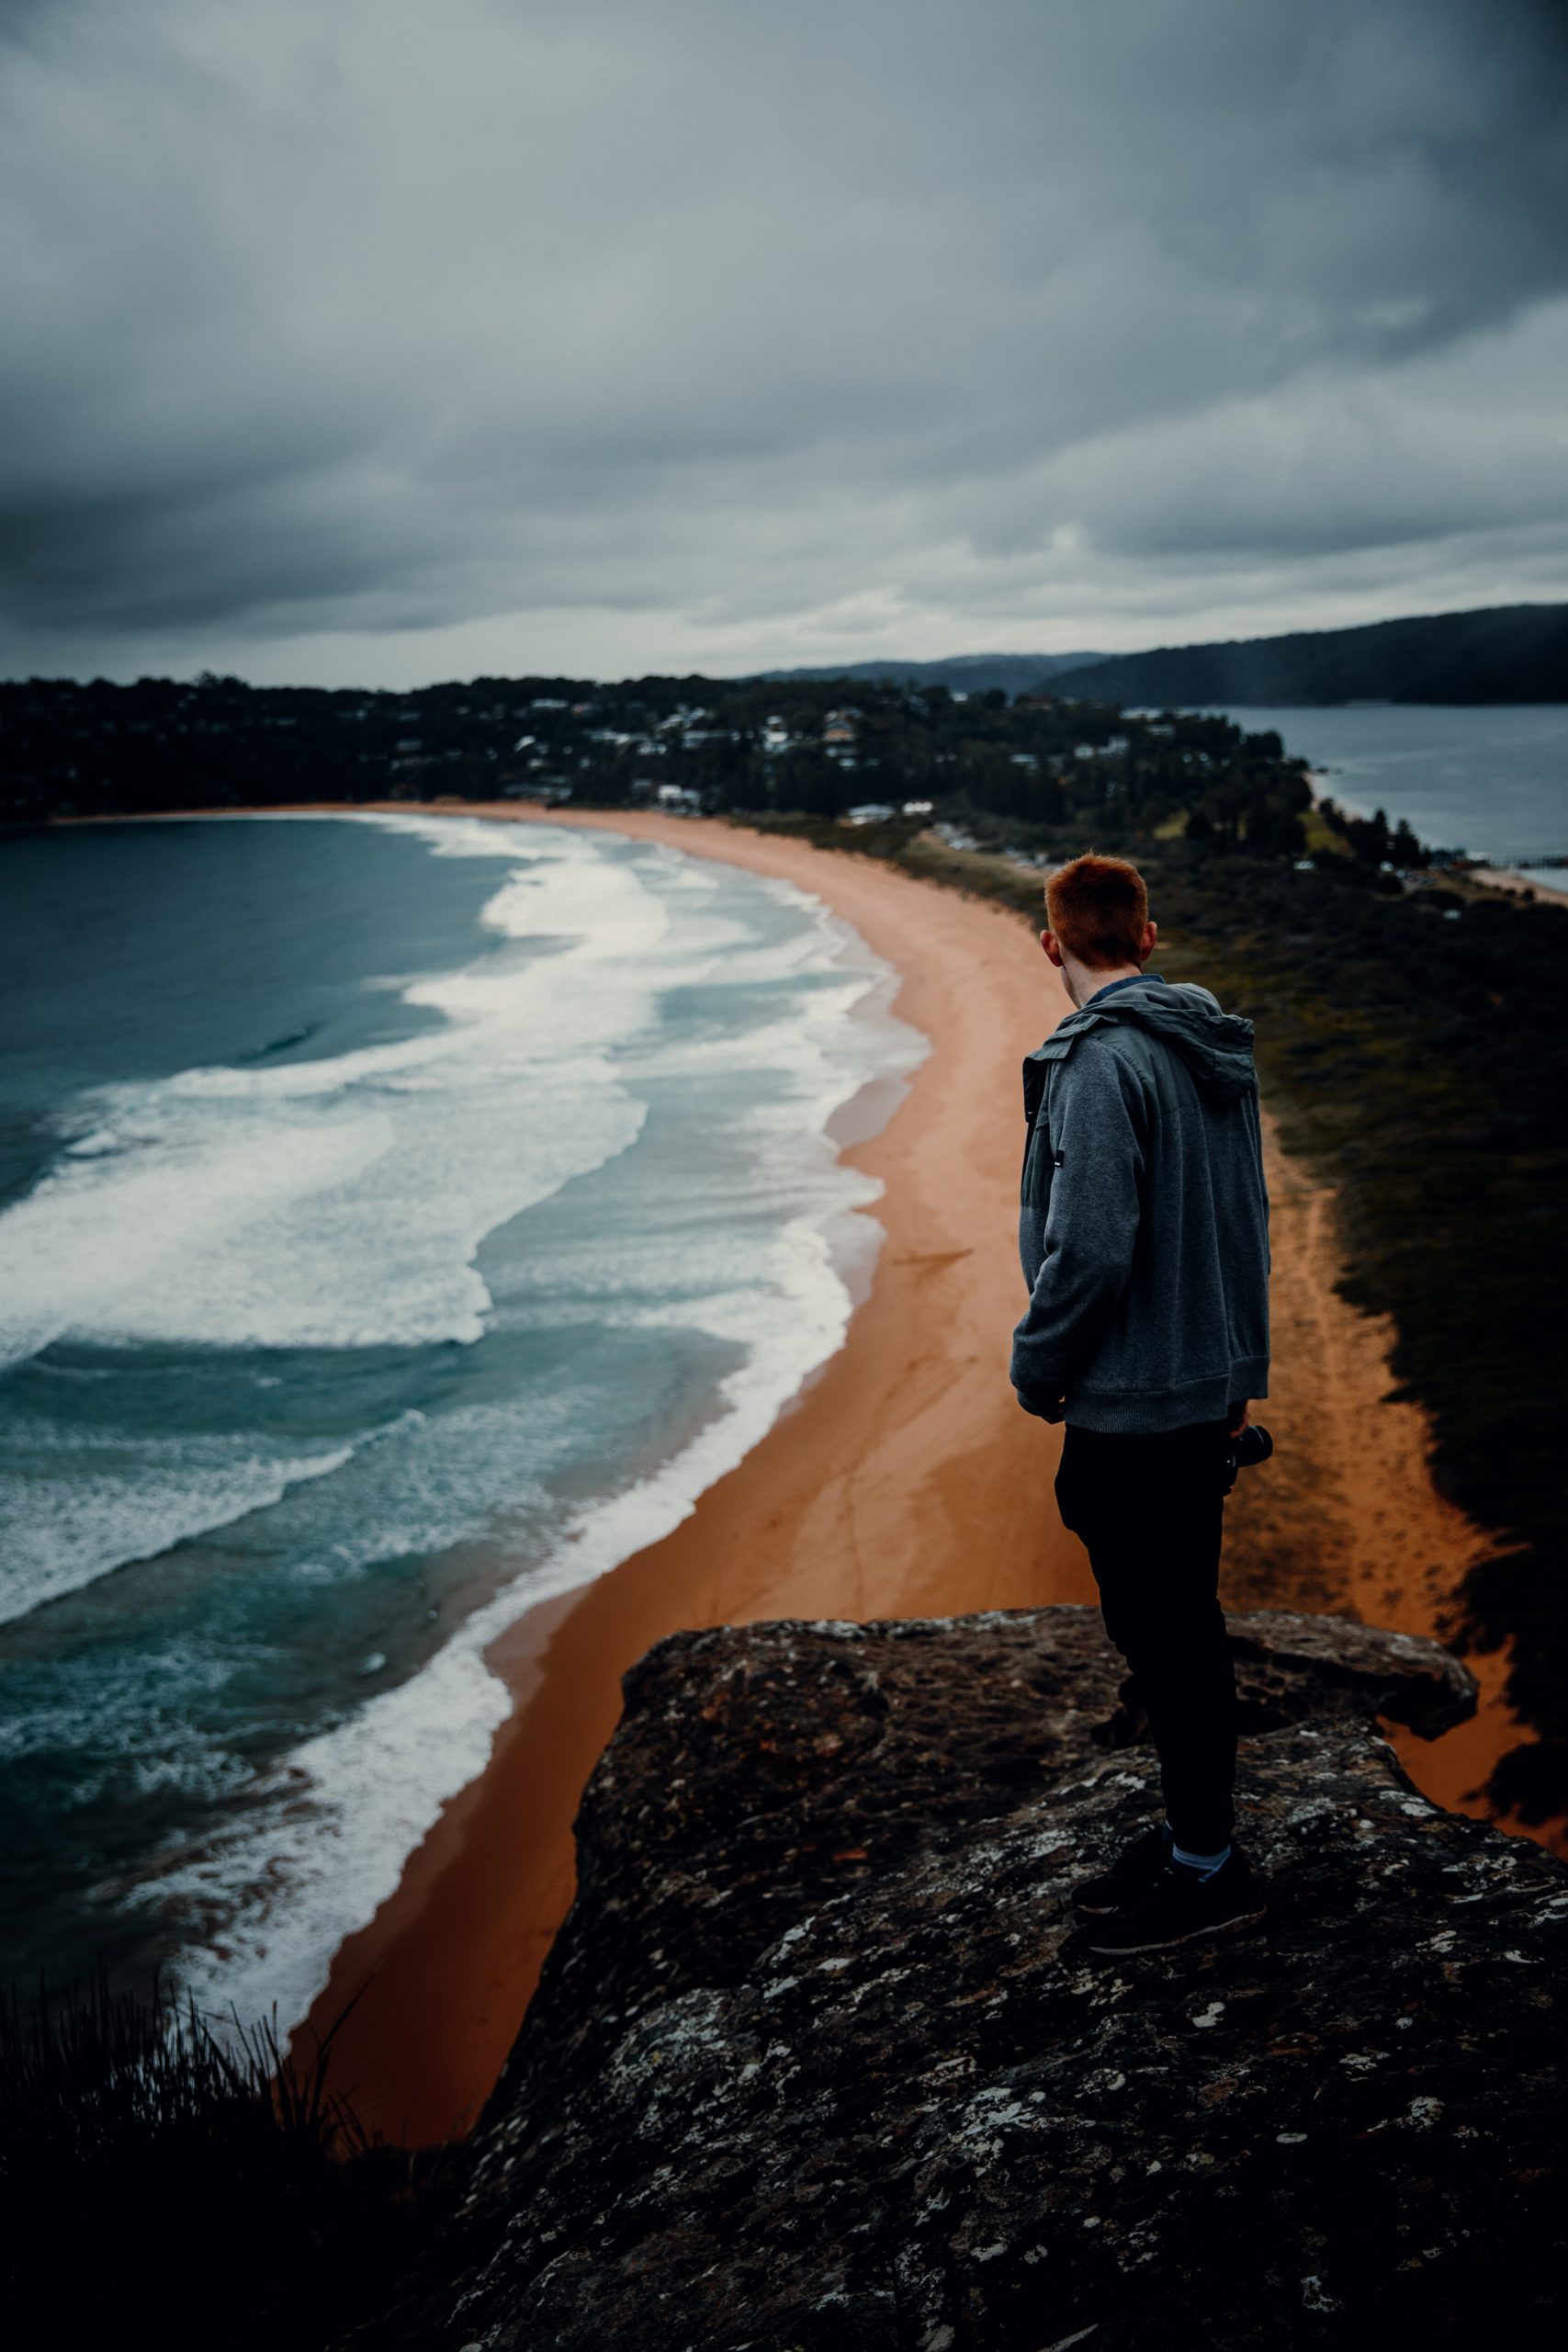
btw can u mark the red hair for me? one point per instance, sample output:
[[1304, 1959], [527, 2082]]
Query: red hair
[[1097, 906]]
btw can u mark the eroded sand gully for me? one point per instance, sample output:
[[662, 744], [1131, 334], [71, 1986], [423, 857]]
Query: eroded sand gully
[[1346, 1516]]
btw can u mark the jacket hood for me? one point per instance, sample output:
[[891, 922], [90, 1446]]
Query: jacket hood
[[1216, 1046]]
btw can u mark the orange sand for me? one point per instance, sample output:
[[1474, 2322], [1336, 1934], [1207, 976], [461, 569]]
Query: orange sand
[[903, 1482]]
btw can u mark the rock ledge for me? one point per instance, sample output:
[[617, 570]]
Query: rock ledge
[[819, 2060]]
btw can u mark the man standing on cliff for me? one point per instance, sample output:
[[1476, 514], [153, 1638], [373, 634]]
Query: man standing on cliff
[[1143, 1232]]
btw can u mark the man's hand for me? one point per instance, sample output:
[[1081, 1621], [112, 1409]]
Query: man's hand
[[1043, 1408], [1239, 1417]]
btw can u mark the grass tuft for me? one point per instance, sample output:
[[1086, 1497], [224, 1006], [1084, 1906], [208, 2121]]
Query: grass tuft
[[192, 2182]]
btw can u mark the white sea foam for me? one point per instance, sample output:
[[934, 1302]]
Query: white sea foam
[[325, 1846], [89, 1503], [341, 1203], [344, 1204]]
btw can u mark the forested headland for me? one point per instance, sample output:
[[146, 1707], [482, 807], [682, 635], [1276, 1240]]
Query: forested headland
[[1502, 654], [813, 746]]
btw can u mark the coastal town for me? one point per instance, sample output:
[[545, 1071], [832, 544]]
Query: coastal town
[[985, 768]]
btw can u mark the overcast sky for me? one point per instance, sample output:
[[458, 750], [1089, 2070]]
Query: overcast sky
[[377, 341]]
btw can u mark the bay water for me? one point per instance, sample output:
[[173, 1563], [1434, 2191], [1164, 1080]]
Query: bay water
[[1492, 781]]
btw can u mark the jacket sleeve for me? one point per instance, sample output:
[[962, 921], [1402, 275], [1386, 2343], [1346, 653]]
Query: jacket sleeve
[[1098, 1138]]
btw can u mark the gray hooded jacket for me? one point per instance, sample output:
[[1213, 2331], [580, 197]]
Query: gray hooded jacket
[[1144, 1220]]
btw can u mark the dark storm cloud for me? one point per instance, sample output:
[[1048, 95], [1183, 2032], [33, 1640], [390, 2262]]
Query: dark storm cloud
[[716, 326]]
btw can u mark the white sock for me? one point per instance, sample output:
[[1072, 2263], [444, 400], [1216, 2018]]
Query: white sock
[[1200, 1865]]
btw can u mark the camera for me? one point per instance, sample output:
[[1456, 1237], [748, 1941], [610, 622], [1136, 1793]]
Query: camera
[[1250, 1445]]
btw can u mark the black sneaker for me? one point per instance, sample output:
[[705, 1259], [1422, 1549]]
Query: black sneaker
[[1131, 1876], [1180, 1905]]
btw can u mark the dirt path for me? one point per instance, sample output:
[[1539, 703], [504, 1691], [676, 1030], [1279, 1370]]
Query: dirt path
[[1347, 1517]]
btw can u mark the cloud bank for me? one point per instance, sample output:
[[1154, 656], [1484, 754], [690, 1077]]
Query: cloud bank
[[371, 340]]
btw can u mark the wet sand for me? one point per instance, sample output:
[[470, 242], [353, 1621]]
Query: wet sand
[[903, 1482]]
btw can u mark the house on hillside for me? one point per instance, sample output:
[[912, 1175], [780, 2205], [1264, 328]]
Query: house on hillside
[[838, 737]]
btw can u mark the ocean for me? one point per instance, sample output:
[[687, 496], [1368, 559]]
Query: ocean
[[401, 1219], [1492, 782]]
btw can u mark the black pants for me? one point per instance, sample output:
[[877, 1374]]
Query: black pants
[[1150, 1511]]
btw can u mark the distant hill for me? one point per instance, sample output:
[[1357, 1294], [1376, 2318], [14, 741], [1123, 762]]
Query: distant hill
[[969, 672], [1508, 653]]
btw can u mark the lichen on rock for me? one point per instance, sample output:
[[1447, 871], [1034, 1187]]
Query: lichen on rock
[[821, 2058]]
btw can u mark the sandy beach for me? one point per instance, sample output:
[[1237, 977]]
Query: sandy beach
[[1523, 883], [903, 1482]]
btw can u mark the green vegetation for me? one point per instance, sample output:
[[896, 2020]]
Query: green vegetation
[[216, 2193], [717, 744], [1508, 653]]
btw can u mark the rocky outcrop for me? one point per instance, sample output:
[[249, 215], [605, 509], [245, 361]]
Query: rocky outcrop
[[819, 2058]]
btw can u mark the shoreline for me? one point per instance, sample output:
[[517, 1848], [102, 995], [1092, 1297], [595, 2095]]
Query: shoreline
[[1521, 882], [861, 1499]]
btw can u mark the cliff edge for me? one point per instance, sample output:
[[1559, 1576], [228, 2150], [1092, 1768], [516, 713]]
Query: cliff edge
[[819, 2060]]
